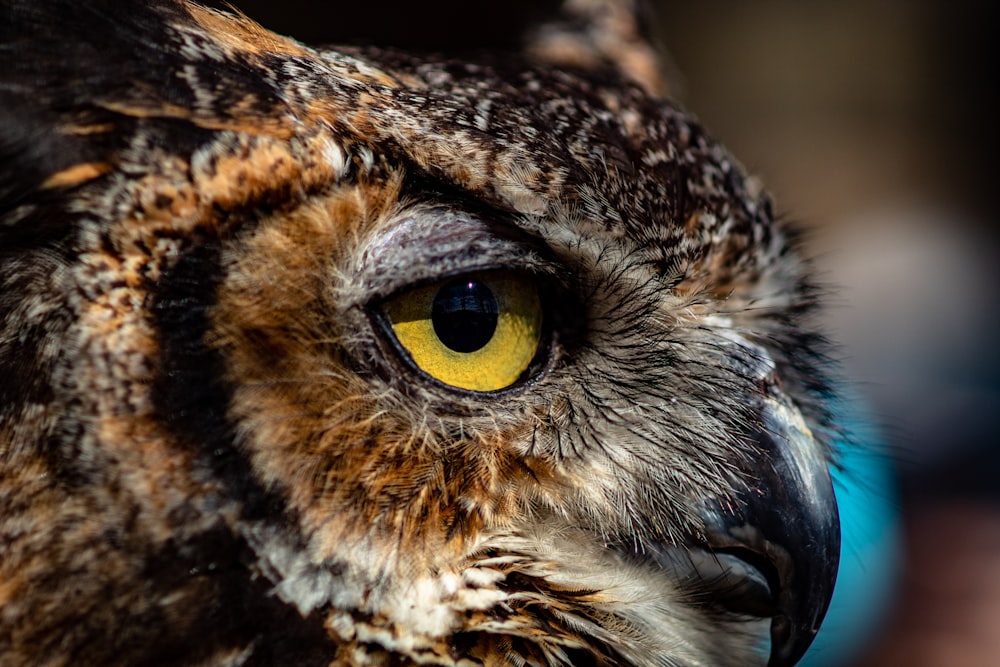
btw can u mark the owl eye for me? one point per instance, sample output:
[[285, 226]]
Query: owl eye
[[479, 331]]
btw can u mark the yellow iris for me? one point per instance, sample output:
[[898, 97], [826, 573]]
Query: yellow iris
[[478, 332]]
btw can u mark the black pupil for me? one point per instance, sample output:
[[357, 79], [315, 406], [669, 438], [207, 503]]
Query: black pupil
[[465, 315]]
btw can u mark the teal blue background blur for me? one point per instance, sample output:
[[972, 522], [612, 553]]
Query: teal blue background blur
[[872, 543]]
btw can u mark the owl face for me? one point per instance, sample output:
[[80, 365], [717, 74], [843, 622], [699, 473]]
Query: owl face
[[349, 357]]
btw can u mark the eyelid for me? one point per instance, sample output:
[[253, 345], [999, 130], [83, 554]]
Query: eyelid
[[435, 242]]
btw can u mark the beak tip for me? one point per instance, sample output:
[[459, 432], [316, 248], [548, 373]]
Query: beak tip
[[802, 607], [788, 643]]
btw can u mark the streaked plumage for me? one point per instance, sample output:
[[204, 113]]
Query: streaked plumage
[[214, 448]]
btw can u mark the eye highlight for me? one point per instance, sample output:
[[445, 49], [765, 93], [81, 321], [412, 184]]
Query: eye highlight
[[478, 332]]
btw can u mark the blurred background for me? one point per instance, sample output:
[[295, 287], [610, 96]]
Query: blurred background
[[874, 125]]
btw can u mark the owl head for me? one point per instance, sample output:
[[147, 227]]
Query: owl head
[[350, 356]]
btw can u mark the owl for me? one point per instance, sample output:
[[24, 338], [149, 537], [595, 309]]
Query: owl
[[349, 356]]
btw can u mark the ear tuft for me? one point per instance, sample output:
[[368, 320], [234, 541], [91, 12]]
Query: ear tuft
[[592, 34]]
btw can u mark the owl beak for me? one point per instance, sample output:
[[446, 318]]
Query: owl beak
[[786, 523]]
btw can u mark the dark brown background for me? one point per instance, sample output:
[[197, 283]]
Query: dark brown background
[[875, 125]]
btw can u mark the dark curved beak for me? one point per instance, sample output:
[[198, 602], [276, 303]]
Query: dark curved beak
[[786, 523]]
